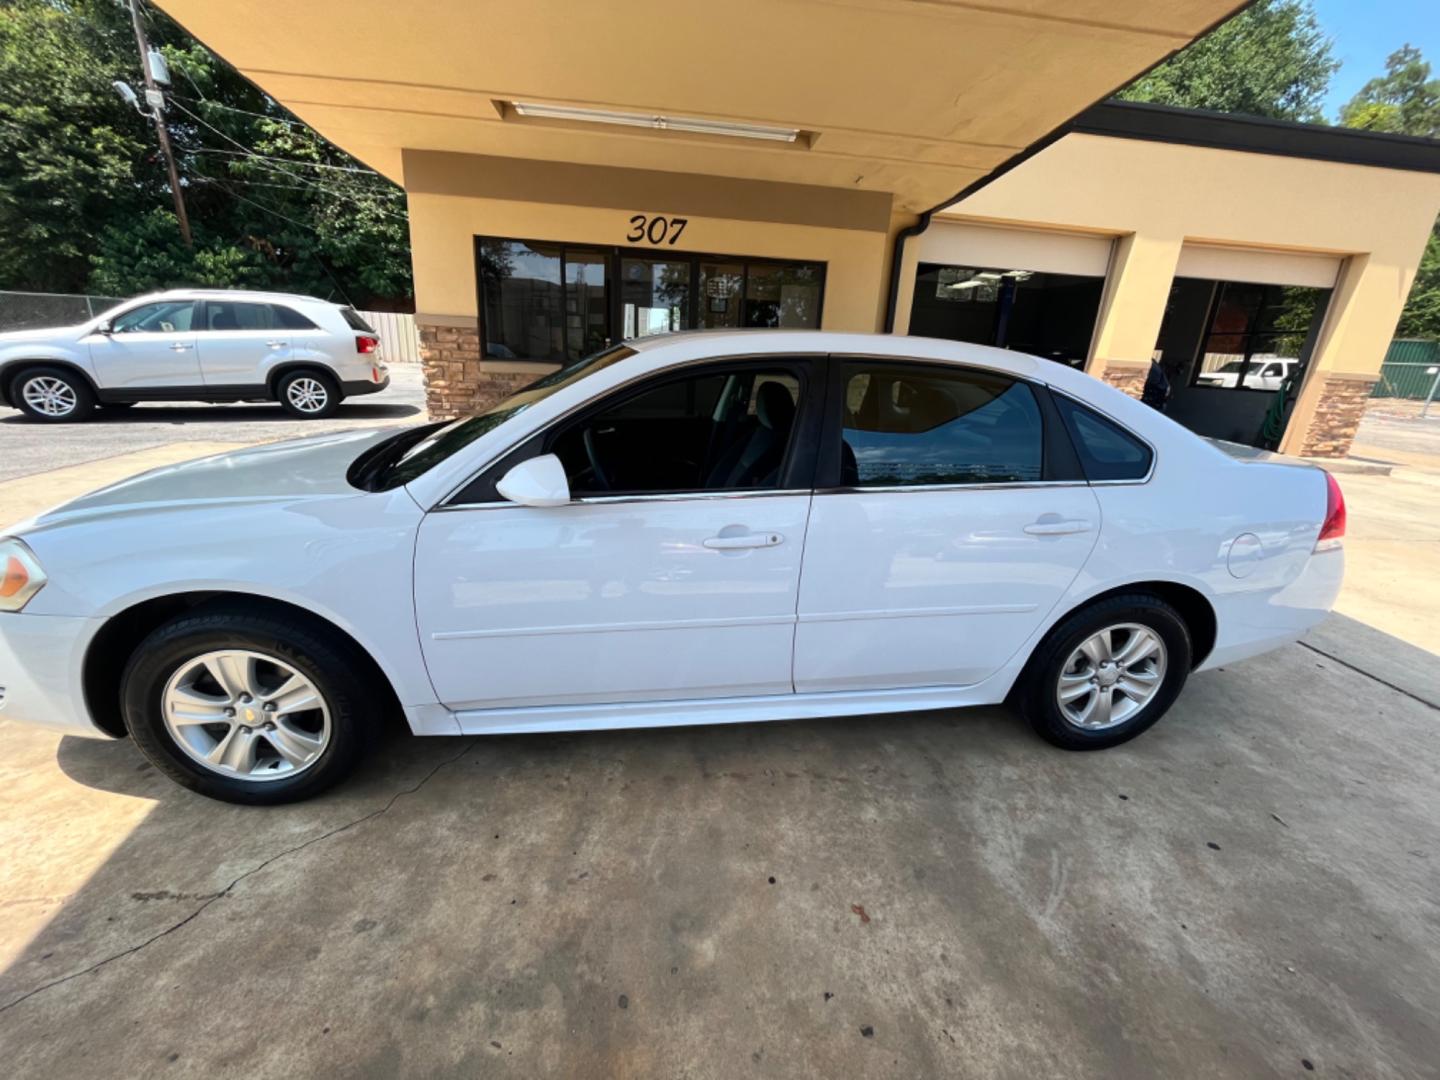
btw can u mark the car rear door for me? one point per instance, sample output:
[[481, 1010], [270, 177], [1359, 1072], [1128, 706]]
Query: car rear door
[[149, 348], [949, 519], [672, 574], [239, 342]]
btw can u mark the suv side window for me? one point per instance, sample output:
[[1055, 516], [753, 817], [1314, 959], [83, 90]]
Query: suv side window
[[161, 317], [718, 430], [285, 318], [1107, 451], [231, 315], [908, 426]]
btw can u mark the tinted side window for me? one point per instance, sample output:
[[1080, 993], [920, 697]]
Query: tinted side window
[[716, 431], [289, 319], [909, 426], [164, 317], [1107, 451], [223, 315]]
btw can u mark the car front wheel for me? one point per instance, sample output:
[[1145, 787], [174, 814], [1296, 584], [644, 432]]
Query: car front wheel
[[247, 707], [1106, 673], [310, 395], [52, 395]]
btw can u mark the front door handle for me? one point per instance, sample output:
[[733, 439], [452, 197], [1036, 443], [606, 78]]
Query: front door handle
[[744, 540], [181, 346], [1054, 525], [274, 344]]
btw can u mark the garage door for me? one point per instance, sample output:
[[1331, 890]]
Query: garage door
[[957, 244]]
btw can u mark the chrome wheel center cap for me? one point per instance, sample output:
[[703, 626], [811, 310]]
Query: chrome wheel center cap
[[1107, 675]]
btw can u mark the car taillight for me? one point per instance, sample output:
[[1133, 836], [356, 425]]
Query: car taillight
[[1332, 531], [364, 343]]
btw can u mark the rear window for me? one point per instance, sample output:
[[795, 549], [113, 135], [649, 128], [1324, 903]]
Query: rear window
[[1106, 450], [355, 322]]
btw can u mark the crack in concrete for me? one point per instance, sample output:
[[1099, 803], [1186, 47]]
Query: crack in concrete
[[132, 950], [1369, 675]]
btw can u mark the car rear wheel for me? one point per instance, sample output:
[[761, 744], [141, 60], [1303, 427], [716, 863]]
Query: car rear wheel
[[249, 708], [1106, 673], [310, 395], [52, 395]]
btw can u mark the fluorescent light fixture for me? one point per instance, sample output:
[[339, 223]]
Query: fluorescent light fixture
[[693, 124]]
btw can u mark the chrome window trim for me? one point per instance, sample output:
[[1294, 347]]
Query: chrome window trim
[[668, 496], [999, 485], [445, 503], [1154, 453]]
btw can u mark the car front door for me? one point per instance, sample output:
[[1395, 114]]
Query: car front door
[[672, 574], [150, 347], [238, 340], [947, 523]]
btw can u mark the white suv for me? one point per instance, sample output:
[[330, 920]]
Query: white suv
[[195, 345]]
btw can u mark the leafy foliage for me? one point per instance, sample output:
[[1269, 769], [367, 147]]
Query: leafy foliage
[[1405, 100], [1270, 60], [84, 200]]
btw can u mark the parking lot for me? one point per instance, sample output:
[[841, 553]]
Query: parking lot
[[1250, 889]]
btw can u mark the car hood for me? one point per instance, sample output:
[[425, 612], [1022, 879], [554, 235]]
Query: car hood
[[44, 333], [276, 472]]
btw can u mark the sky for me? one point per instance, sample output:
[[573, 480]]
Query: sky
[[1365, 32]]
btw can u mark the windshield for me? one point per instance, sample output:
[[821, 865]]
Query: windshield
[[404, 457]]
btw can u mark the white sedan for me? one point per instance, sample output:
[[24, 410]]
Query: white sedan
[[687, 530]]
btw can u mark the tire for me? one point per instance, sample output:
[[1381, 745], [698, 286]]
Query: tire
[[52, 395], [1079, 724], [330, 737], [308, 394]]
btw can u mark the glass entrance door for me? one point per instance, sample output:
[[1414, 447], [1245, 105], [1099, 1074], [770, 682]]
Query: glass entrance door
[[654, 296]]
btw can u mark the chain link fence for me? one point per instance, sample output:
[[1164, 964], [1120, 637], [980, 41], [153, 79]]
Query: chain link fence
[[33, 311]]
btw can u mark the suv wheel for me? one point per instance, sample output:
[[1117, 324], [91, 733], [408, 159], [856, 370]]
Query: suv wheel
[[52, 395], [310, 395], [249, 708], [1106, 673]]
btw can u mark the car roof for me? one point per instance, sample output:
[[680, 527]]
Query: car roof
[[237, 294]]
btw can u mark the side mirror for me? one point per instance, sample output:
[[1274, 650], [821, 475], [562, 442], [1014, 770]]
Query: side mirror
[[104, 327], [540, 481]]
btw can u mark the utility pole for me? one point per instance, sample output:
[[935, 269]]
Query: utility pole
[[155, 98]]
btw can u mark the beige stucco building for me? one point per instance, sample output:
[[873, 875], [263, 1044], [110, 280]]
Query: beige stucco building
[[581, 173]]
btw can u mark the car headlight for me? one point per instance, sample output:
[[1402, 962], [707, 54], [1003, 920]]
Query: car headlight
[[20, 574]]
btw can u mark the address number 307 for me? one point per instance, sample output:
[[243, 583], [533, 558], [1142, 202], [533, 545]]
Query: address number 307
[[657, 230]]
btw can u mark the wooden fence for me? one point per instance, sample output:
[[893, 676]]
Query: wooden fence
[[399, 341]]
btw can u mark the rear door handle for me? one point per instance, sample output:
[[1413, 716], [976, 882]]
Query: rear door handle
[[181, 346], [745, 540], [275, 344], [1054, 526]]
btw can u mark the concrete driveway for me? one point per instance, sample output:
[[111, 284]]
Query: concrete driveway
[[1250, 889]]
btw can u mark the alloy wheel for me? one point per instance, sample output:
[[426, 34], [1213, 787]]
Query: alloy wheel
[[1110, 676], [50, 396], [308, 395], [245, 715]]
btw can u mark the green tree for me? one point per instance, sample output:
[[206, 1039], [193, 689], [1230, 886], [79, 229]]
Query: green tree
[[1405, 100], [84, 201], [1271, 60]]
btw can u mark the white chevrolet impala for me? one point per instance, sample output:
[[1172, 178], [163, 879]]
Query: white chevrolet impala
[[686, 530]]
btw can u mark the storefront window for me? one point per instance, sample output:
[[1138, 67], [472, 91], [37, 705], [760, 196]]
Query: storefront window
[[557, 302], [1049, 315], [528, 313]]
